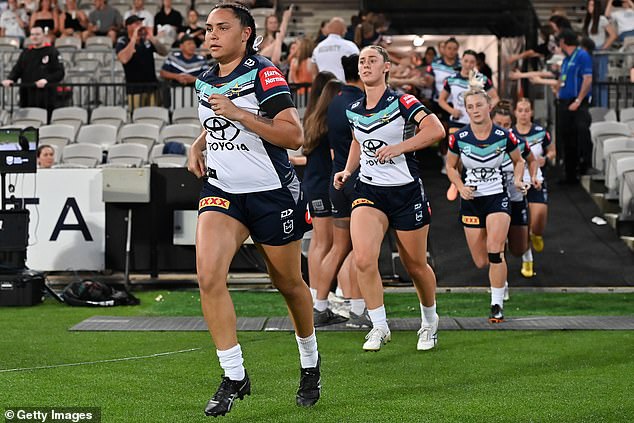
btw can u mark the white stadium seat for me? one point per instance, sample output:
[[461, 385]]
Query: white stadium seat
[[139, 133], [601, 131], [100, 134]]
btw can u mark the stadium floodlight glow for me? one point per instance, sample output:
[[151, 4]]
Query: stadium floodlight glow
[[418, 41]]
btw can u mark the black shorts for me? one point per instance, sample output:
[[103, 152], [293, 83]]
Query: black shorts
[[519, 213], [341, 199], [275, 217], [473, 213], [405, 206], [319, 205], [538, 196]]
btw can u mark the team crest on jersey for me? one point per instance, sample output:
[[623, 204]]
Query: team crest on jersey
[[235, 90], [499, 132], [221, 129], [271, 77]]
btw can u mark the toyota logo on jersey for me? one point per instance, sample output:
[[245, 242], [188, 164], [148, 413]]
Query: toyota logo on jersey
[[483, 173], [221, 129], [371, 146]]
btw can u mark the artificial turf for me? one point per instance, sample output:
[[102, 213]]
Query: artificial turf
[[562, 376]]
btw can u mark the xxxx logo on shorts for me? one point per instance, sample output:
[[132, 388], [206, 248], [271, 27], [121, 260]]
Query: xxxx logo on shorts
[[213, 202], [360, 201], [471, 220]]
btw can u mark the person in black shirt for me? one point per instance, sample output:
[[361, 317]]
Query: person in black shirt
[[168, 16], [38, 65], [136, 52], [192, 29]]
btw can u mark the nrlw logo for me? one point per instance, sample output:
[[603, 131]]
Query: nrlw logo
[[213, 202], [221, 129], [360, 201]]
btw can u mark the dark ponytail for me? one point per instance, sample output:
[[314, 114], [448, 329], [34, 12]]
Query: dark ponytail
[[246, 20]]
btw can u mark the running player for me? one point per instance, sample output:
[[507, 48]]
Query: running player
[[251, 189], [518, 230], [389, 193], [340, 137], [543, 149], [316, 186], [453, 91], [484, 206]]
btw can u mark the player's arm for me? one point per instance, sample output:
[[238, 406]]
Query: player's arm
[[352, 164], [518, 170], [195, 156]]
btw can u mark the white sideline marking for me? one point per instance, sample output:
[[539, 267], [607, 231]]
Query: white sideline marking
[[112, 360]]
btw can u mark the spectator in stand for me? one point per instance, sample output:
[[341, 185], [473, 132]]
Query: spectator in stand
[[184, 66], [46, 17], [365, 33], [300, 64], [271, 28], [354, 21], [104, 20], [278, 49], [192, 28], [558, 23], [321, 34], [483, 67], [597, 27], [13, 21], [328, 53], [73, 21], [39, 65], [30, 6], [430, 55], [45, 156], [167, 22], [138, 9], [623, 17], [135, 51], [543, 51]]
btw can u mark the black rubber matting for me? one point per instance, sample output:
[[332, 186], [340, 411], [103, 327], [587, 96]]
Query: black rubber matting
[[276, 324]]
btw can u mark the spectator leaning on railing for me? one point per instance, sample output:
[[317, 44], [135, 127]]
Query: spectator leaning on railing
[[41, 65]]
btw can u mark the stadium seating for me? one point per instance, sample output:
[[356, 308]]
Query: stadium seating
[[127, 155], [57, 135], [597, 114], [139, 133], [600, 131], [101, 134], [186, 115], [166, 160], [29, 116], [99, 43], [68, 43], [626, 195], [74, 116], [180, 132], [110, 115], [158, 116], [81, 155]]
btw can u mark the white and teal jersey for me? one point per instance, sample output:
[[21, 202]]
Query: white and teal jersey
[[538, 140], [482, 159], [239, 160], [456, 85], [442, 71], [507, 167], [389, 122]]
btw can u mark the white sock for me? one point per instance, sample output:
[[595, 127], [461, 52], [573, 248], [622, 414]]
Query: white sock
[[528, 255], [321, 305], [428, 314], [307, 351], [497, 296], [357, 306], [339, 292], [231, 362], [378, 318], [313, 293]]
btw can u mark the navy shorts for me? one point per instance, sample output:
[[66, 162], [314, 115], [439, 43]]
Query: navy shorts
[[538, 196], [275, 217], [341, 199], [473, 213], [319, 205], [519, 213], [405, 206]]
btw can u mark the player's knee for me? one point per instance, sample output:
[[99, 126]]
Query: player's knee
[[481, 262], [365, 262], [495, 258]]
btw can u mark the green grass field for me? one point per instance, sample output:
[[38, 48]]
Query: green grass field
[[563, 376]]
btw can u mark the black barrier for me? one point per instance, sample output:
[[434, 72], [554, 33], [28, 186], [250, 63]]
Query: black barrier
[[130, 96], [615, 95]]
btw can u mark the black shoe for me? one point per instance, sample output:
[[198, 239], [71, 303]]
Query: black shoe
[[497, 314], [222, 401], [309, 385], [327, 317]]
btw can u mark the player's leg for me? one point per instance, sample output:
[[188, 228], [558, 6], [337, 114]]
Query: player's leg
[[497, 228]]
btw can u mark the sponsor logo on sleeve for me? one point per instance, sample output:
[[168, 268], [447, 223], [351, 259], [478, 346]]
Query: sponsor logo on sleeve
[[360, 201], [213, 202], [408, 100], [513, 138], [452, 141], [471, 220], [271, 77]]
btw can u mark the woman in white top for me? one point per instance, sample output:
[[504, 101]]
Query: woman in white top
[[597, 27], [623, 17]]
